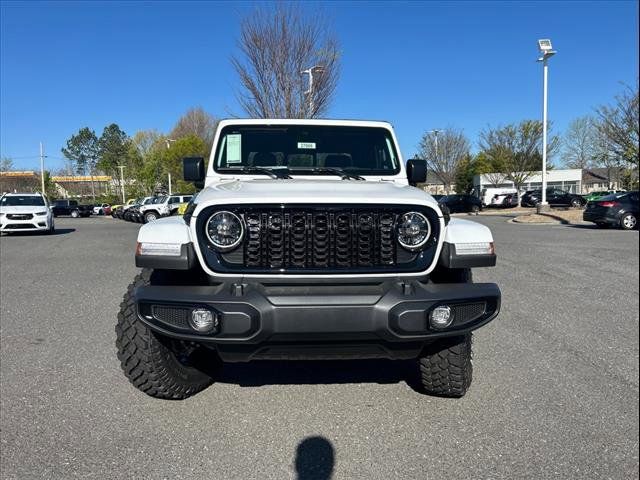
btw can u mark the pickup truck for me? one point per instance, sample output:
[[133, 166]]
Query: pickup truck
[[71, 208]]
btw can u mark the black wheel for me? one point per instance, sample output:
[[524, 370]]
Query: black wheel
[[156, 365], [575, 203], [475, 208], [628, 221], [75, 213], [445, 365]]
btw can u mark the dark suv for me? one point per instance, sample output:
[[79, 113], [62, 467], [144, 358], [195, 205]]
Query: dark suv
[[555, 197], [71, 208]]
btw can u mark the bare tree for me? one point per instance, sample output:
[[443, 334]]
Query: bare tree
[[517, 149], [579, 143], [195, 122], [276, 45], [146, 140], [6, 164], [619, 124], [452, 148]]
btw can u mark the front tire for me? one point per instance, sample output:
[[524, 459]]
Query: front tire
[[150, 217], [154, 364], [75, 214], [628, 221], [445, 367]]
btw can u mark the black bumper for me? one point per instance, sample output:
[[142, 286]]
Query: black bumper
[[600, 217], [384, 320]]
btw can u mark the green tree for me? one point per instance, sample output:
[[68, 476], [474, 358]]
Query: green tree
[[113, 146], [465, 172], [82, 150]]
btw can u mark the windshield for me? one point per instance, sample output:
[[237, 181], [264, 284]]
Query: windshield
[[22, 201], [357, 150]]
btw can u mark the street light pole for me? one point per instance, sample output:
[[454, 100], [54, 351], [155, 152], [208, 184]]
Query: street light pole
[[435, 133], [547, 52], [121, 167], [42, 168], [309, 93]]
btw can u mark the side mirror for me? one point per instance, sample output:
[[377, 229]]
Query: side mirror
[[193, 170], [416, 171]]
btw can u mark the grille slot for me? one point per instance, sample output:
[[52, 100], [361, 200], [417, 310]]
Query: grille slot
[[19, 216], [175, 316]]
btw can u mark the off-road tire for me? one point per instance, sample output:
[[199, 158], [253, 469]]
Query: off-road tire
[[146, 358], [445, 367]]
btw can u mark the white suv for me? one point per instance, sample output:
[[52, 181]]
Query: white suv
[[26, 212], [163, 207]]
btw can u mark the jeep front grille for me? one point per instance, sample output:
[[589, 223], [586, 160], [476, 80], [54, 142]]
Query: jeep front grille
[[322, 239]]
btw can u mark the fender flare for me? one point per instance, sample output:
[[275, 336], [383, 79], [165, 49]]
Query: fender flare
[[166, 231], [460, 235]]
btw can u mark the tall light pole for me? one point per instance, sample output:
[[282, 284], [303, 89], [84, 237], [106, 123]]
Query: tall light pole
[[42, 168], [121, 167], [547, 51], [435, 134], [169, 140], [309, 93]]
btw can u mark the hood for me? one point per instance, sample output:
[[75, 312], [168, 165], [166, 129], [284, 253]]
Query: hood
[[312, 191], [23, 209]]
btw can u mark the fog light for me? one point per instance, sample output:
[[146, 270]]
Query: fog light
[[440, 317], [203, 321]]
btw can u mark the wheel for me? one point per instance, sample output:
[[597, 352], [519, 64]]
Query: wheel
[[150, 217], [156, 365], [575, 203], [445, 365], [628, 221], [475, 209], [75, 213]]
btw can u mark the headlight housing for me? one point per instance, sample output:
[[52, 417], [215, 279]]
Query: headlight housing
[[42, 213], [224, 230], [413, 230]]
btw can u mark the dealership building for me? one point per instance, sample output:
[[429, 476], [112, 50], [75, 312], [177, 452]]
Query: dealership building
[[569, 180]]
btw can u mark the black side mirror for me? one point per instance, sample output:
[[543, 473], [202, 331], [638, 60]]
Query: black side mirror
[[416, 171], [193, 170]]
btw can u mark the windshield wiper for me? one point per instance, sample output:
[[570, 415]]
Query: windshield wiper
[[281, 173], [332, 170]]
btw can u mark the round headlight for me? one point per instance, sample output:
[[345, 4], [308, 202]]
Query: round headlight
[[413, 230], [224, 230]]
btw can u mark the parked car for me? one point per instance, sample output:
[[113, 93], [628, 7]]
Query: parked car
[[71, 208], [555, 197], [603, 193], [100, 208], [505, 200], [163, 206], [619, 209], [132, 212], [488, 194], [25, 212], [461, 203], [437, 198]]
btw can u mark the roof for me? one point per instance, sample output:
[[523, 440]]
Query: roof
[[25, 194], [303, 121], [26, 173]]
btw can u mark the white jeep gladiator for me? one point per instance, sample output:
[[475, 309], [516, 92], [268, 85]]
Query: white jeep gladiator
[[308, 240]]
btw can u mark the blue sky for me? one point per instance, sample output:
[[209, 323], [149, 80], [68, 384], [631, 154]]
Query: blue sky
[[420, 65]]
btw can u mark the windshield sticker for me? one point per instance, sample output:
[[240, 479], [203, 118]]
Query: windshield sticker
[[234, 148], [307, 145]]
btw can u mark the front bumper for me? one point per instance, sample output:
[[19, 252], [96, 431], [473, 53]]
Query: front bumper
[[257, 321], [35, 224]]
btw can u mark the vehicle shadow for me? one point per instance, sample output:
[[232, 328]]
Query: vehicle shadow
[[312, 372], [315, 459], [59, 231]]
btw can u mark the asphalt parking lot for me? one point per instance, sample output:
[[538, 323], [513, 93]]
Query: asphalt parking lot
[[555, 390]]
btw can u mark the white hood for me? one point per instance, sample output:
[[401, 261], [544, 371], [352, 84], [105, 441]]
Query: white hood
[[312, 191]]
